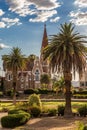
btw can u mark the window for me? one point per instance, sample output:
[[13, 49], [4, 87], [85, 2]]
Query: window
[[37, 75]]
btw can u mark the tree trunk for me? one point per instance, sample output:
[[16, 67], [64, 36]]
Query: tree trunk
[[14, 93], [68, 110], [14, 85]]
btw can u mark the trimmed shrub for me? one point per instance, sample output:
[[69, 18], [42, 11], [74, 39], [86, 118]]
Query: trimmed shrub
[[19, 112], [61, 109], [13, 120], [45, 91], [82, 110], [34, 100], [35, 111], [52, 112], [30, 91]]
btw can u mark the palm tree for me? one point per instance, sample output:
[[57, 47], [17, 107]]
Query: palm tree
[[59, 85], [14, 62], [31, 59], [67, 52]]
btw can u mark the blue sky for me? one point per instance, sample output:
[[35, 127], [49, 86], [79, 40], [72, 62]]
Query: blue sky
[[22, 22]]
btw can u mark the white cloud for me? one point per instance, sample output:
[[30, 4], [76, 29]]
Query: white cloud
[[1, 12], [7, 22], [43, 16], [55, 19], [78, 18], [45, 4], [81, 3], [2, 25], [2, 45], [34, 7]]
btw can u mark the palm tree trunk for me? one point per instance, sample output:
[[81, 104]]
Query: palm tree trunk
[[14, 86], [68, 110], [14, 93]]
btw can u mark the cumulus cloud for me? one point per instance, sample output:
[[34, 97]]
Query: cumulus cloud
[[34, 7], [79, 18], [1, 12], [2, 45], [55, 19], [2, 25], [81, 3], [7, 22], [43, 16], [45, 4]]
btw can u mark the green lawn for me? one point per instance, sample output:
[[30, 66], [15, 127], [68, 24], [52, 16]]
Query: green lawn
[[46, 105], [75, 105], [6, 106]]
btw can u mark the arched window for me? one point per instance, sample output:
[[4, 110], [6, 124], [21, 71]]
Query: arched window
[[37, 75]]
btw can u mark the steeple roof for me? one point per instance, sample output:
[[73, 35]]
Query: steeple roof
[[45, 38]]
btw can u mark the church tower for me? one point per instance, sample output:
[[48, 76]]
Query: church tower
[[45, 65]]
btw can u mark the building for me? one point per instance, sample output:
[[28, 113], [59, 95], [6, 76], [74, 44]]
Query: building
[[30, 78]]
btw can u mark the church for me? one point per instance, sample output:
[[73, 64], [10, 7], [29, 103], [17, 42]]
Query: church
[[27, 78]]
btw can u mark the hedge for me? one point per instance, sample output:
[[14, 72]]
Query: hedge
[[15, 118]]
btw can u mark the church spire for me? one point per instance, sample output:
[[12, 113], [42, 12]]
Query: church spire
[[45, 39]]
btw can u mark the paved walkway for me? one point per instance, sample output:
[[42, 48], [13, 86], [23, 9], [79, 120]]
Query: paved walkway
[[59, 100], [49, 123]]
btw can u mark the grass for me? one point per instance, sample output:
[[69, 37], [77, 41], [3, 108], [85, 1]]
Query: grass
[[50, 105], [8, 106], [46, 105]]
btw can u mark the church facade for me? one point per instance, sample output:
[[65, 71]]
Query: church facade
[[30, 78]]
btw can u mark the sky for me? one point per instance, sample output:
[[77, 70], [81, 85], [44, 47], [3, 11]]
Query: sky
[[22, 22]]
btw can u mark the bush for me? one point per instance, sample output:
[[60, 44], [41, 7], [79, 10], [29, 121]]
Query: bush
[[52, 112], [34, 100], [1, 94], [81, 126], [45, 91], [61, 109], [14, 111], [9, 93], [82, 110], [13, 120], [35, 111], [30, 91]]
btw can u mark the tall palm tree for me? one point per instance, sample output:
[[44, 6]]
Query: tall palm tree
[[31, 59], [14, 62], [67, 52]]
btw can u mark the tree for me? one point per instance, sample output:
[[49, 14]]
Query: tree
[[31, 59], [59, 84], [14, 61], [45, 80], [66, 52]]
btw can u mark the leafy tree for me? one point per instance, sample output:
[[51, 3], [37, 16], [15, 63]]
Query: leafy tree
[[14, 61], [45, 80], [59, 84], [67, 52]]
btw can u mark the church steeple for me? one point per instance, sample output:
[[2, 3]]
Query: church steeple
[[45, 38], [45, 66]]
